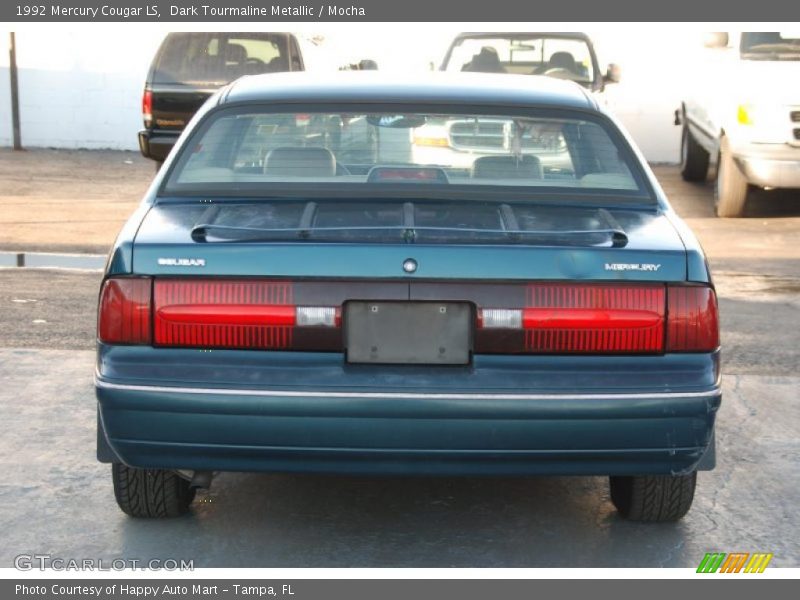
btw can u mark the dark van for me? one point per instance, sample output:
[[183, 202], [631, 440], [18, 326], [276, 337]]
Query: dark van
[[190, 66]]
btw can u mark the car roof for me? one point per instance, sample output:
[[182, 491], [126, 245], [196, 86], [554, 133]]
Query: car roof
[[575, 35], [424, 88]]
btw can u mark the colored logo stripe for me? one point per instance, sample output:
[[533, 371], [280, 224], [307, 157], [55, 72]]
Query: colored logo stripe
[[711, 562], [758, 563], [734, 563]]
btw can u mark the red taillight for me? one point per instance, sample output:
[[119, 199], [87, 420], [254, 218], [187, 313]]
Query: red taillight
[[228, 314], [594, 318], [603, 318], [124, 311], [580, 318], [238, 314], [147, 108], [692, 319], [544, 318]]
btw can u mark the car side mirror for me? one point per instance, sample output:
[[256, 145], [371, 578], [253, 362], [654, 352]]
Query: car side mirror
[[715, 39], [613, 74]]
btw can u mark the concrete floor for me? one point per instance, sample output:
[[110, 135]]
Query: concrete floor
[[55, 499]]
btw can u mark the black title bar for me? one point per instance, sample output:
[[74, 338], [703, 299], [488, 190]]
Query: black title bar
[[487, 11], [348, 589]]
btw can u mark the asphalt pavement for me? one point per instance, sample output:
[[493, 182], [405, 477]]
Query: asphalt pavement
[[56, 499]]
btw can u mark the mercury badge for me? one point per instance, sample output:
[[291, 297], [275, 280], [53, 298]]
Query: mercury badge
[[409, 265]]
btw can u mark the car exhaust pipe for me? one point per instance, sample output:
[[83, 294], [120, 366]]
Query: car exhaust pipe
[[197, 479], [201, 480]]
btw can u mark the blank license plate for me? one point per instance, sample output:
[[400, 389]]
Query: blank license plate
[[408, 332]]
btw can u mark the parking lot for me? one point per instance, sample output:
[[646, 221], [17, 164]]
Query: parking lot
[[58, 500]]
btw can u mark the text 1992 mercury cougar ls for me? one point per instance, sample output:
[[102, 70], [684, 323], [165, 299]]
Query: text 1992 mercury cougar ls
[[284, 302]]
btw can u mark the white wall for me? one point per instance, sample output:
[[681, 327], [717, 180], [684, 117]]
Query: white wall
[[81, 87]]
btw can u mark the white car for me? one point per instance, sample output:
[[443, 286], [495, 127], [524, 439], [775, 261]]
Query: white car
[[745, 117], [460, 142]]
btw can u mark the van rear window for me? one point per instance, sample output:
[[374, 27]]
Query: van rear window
[[218, 58]]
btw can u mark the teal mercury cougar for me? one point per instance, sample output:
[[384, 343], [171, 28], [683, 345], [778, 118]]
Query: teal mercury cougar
[[457, 274]]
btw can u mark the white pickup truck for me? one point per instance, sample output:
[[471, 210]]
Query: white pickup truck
[[744, 117]]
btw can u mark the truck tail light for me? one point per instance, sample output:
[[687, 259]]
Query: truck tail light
[[692, 319], [124, 314], [239, 314], [603, 318], [147, 108]]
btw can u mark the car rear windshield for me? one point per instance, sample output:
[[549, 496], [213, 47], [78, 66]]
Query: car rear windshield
[[564, 58], [775, 45], [240, 150], [217, 58]]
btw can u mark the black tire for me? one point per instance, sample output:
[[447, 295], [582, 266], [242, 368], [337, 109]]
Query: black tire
[[732, 189], [694, 158], [150, 492], [654, 498]]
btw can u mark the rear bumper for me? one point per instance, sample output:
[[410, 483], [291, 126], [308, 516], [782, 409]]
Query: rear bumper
[[156, 145], [396, 432], [770, 165]]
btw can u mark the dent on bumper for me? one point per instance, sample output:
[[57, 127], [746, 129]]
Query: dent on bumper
[[401, 433]]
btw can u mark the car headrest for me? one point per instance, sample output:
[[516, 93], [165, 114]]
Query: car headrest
[[507, 167], [562, 60], [300, 162], [486, 61], [235, 53], [278, 64]]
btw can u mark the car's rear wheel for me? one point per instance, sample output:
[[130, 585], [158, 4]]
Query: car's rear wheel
[[654, 498], [694, 158], [732, 186], [151, 492]]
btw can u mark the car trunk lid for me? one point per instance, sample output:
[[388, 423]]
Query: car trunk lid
[[374, 240]]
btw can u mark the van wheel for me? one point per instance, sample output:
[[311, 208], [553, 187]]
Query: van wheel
[[694, 158], [732, 187], [655, 498], [150, 492]]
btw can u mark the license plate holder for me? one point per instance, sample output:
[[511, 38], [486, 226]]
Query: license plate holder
[[408, 332]]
